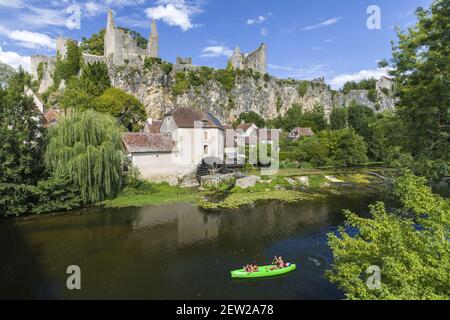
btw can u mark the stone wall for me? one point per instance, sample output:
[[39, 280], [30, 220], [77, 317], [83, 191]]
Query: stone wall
[[256, 60]]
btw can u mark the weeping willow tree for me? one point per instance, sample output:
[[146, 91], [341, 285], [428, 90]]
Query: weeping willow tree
[[88, 147]]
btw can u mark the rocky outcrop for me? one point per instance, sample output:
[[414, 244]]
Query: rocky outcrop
[[267, 96]]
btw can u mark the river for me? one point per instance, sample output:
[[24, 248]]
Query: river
[[173, 251]]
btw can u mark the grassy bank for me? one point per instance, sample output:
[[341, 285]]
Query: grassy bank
[[290, 185], [151, 194]]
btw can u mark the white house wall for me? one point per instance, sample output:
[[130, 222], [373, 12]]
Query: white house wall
[[157, 167]]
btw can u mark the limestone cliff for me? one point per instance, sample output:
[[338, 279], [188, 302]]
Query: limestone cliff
[[250, 91]]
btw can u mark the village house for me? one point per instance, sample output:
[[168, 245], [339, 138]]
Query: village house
[[186, 136], [298, 133]]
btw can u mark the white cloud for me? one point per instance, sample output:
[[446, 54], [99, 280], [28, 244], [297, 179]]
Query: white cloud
[[17, 4], [92, 9], [216, 51], [43, 17], [260, 19], [177, 13], [338, 81], [14, 59], [264, 32], [28, 39], [325, 23]]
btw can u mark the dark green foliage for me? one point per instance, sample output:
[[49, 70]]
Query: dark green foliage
[[422, 71], [365, 84], [251, 117], [359, 118], [312, 150], [125, 107], [150, 62], [95, 78], [21, 134], [338, 118], [314, 119], [70, 66], [95, 44], [341, 148], [181, 85], [226, 78], [302, 88], [372, 95], [383, 63], [56, 194], [16, 199], [40, 71], [409, 245], [81, 92]]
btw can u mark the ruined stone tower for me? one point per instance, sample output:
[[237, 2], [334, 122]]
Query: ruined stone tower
[[120, 47], [153, 43], [256, 60]]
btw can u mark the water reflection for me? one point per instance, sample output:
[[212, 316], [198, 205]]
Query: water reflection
[[172, 251]]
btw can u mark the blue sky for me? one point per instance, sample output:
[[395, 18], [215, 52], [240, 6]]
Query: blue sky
[[306, 39]]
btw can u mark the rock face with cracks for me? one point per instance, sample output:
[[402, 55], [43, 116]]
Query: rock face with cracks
[[263, 94]]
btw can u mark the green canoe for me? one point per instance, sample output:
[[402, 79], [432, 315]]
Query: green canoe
[[264, 271]]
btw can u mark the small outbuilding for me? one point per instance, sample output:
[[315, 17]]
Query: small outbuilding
[[299, 132]]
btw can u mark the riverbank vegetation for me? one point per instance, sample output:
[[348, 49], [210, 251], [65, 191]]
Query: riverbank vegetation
[[140, 193], [288, 187], [403, 253], [408, 246]]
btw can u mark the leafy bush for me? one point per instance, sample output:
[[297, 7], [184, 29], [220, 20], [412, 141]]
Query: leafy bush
[[16, 199], [56, 194]]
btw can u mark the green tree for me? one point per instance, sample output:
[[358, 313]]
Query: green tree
[[21, 133], [251, 117], [359, 118], [87, 148], [95, 44], [314, 119], [68, 67], [338, 118], [344, 147], [81, 91], [421, 67], [125, 107], [386, 131], [409, 245]]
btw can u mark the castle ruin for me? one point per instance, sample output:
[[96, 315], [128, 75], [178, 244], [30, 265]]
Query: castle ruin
[[256, 60], [119, 48]]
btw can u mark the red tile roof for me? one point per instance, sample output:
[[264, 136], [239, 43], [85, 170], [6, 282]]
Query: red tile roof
[[152, 128], [186, 117], [147, 142]]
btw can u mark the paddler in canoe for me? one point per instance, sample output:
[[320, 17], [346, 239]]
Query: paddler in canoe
[[279, 263], [253, 267], [253, 271]]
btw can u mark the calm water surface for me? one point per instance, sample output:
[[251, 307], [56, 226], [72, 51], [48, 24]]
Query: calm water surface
[[173, 251]]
